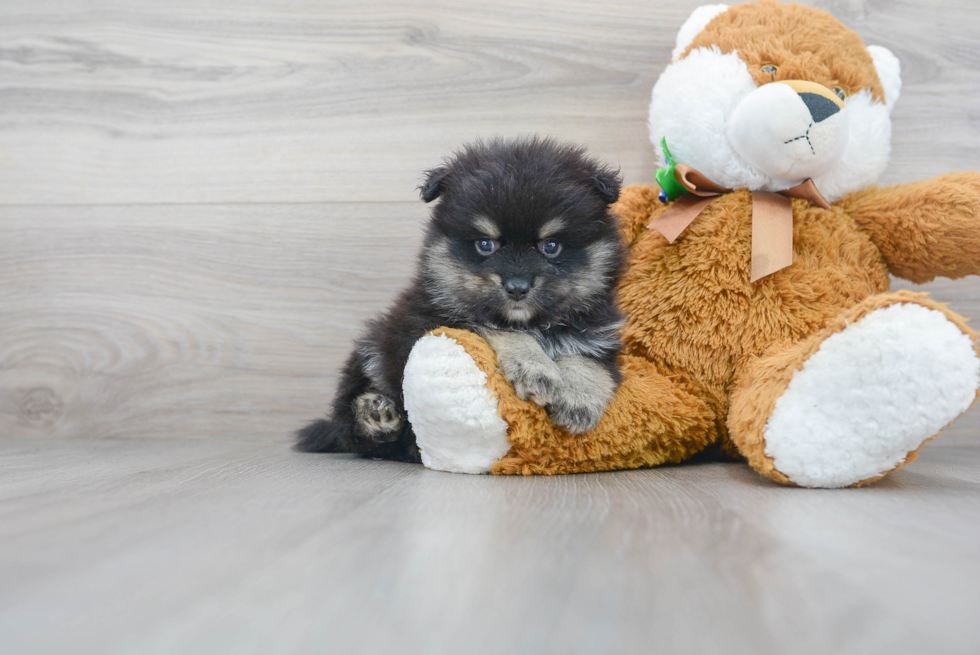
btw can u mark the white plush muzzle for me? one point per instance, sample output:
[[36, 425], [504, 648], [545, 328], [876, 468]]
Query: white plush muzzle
[[786, 137]]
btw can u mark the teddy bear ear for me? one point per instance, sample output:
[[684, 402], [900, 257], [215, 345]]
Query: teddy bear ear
[[889, 72], [694, 25]]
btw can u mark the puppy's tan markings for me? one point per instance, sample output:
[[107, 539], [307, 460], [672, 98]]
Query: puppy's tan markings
[[602, 254], [486, 227], [442, 266], [593, 280], [552, 227]]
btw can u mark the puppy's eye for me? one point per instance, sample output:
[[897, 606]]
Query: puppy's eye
[[486, 247], [839, 91], [549, 248]]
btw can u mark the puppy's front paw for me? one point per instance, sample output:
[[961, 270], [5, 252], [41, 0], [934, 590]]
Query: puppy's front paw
[[537, 379], [576, 418], [377, 417], [587, 387]]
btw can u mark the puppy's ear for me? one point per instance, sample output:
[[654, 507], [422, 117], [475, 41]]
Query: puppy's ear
[[607, 183], [432, 188]]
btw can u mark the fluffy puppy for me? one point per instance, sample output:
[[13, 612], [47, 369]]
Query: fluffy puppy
[[522, 249]]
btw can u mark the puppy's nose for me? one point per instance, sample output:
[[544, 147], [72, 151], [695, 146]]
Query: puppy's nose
[[517, 288]]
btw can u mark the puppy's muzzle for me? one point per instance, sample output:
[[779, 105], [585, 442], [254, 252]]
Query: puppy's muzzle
[[517, 288]]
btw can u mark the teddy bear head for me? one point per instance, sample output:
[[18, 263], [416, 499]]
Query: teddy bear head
[[764, 95]]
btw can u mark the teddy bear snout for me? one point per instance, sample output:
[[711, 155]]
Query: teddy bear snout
[[789, 130], [820, 101], [820, 108]]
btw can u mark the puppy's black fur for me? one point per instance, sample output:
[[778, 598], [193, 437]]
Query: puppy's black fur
[[505, 192]]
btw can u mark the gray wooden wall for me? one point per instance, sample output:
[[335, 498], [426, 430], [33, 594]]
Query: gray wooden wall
[[201, 199]]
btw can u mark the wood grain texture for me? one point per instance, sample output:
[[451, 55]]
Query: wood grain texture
[[180, 546], [243, 179], [202, 321], [128, 101]]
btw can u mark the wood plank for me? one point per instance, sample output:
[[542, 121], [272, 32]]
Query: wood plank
[[226, 102], [186, 546], [210, 321]]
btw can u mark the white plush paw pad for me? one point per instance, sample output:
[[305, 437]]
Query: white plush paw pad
[[871, 394], [451, 410]]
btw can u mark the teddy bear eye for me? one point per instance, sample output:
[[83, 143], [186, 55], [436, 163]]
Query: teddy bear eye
[[770, 69], [840, 92]]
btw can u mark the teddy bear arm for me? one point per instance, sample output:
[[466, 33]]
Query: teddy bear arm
[[924, 229], [468, 418], [651, 420]]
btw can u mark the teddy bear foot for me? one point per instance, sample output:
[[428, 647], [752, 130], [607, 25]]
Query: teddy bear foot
[[451, 409], [851, 406]]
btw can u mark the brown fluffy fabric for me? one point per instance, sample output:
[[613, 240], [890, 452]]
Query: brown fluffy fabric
[[924, 229]]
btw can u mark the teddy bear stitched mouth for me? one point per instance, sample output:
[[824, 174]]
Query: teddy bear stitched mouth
[[775, 130], [805, 136], [820, 109]]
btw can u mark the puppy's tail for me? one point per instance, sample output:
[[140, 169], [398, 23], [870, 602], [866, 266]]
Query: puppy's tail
[[324, 436]]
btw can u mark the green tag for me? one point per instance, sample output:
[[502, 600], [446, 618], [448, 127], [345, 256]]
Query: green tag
[[671, 189]]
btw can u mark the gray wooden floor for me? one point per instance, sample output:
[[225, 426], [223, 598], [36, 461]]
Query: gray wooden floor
[[199, 203], [223, 546]]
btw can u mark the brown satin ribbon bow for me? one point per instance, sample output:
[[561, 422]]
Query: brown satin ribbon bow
[[772, 217]]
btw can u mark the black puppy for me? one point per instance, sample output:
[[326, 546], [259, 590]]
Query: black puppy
[[523, 250]]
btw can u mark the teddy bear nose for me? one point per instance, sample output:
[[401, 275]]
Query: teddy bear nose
[[820, 107], [820, 101]]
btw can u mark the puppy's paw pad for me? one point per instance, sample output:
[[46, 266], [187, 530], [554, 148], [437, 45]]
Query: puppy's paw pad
[[377, 417]]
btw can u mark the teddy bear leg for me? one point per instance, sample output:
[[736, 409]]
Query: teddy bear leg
[[453, 411], [859, 398], [467, 417]]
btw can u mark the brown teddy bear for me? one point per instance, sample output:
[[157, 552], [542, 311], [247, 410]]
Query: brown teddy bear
[[759, 318]]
